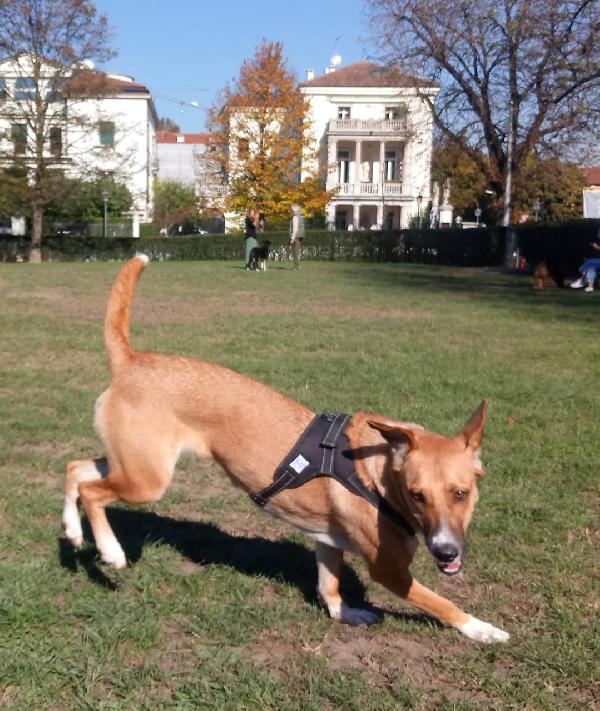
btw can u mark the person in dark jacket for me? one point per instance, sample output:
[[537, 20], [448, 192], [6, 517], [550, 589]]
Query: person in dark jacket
[[250, 232]]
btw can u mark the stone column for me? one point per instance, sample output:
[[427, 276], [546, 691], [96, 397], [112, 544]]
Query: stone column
[[357, 166], [330, 215], [382, 162], [331, 164], [356, 215]]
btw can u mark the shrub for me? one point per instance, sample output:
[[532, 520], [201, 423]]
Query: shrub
[[453, 247]]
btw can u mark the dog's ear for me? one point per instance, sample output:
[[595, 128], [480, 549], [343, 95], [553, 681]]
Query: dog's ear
[[401, 435], [472, 434]]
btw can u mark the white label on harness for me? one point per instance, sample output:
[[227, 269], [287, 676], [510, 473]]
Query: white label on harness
[[299, 464]]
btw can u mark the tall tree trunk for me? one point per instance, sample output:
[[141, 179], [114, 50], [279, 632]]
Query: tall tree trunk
[[37, 213]]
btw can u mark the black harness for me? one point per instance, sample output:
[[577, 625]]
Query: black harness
[[324, 450]]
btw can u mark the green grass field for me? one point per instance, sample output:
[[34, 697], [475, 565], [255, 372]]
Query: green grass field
[[218, 608]]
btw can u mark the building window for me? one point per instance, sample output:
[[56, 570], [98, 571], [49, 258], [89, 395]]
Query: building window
[[395, 112], [56, 146], [390, 171], [243, 148], [343, 112], [107, 133], [19, 137], [24, 88], [343, 166], [3, 91]]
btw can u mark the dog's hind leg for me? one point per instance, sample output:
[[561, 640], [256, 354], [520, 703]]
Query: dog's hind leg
[[78, 472], [329, 566], [144, 478]]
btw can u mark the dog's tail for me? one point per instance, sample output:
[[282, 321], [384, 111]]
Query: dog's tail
[[118, 312]]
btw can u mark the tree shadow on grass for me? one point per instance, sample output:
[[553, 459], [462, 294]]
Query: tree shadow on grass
[[206, 544], [504, 288]]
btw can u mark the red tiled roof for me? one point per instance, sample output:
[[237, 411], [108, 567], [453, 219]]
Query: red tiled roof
[[592, 175], [367, 74], [172, 136], [92, 82]]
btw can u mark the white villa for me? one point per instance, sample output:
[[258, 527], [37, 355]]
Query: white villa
[[374, 133], [101, 125]]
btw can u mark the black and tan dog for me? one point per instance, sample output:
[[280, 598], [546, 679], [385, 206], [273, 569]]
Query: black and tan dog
[[157, 406], [259, 256]]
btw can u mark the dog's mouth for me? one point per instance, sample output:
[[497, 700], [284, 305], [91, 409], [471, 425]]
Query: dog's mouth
[[451, 568]]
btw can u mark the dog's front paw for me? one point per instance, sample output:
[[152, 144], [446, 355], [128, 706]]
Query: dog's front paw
[[71, 524], [354, 616], [481, 631], [113, 555]]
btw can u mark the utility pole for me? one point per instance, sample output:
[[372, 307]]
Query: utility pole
[[506, 217]]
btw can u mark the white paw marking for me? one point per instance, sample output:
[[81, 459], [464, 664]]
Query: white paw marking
[[112, 554], [72, 525], [481, 631]]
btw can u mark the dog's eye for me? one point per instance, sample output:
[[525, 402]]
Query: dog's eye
[[418, 496], [461, 494]]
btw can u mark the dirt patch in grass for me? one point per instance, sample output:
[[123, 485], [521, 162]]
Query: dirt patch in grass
[[424, 664]]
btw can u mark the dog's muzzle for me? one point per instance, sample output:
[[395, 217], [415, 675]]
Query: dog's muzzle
[[447, 556]]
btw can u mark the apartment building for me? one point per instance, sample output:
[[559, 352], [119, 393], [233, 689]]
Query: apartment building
[[94, 124]]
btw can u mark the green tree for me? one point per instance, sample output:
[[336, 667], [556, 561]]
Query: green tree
[[555, 186], [259, 137], [174, 202], [14, 192], [81, 200]]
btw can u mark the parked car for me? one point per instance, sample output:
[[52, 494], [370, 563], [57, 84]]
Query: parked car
[[5, 227], [78, 229]]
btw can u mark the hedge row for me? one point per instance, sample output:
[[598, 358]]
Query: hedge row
[[563, 245], [452, 247]]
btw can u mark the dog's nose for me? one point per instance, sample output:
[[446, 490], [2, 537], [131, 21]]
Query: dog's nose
[[446, 552]]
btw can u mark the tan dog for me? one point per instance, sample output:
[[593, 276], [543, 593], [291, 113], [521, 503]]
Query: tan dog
[[159, 405], [542, 279]]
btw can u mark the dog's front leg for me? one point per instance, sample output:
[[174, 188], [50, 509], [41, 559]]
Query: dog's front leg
[[424, 598], [329, 566]]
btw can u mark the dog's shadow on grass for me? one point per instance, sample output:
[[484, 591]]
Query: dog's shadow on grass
[[206, 544]]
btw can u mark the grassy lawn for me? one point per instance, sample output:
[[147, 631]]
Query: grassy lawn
[[218, 608]]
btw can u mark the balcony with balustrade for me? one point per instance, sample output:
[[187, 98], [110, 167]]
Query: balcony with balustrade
[[359, 128], [367, 190]]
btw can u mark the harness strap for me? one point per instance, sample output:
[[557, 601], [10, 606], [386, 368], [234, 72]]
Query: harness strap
[[330, 440], [296, 469]]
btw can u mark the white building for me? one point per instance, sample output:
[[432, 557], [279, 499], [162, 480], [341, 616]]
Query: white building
[[374, 134], [96, 125], [179, 156]]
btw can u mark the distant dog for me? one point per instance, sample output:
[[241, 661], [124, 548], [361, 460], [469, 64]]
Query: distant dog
[[542, 278], [259, 256]]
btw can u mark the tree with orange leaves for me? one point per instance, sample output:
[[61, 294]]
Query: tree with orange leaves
[[261, 142]]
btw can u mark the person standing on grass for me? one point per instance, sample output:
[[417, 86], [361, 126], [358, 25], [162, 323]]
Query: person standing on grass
[[296, 234], [250, 234], [589, 269]]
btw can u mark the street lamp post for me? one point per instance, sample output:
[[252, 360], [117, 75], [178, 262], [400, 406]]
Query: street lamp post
[[536, 208], [477, 215], [419, 201], [104, 217]]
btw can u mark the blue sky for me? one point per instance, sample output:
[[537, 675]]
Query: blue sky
[[186, 50]]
